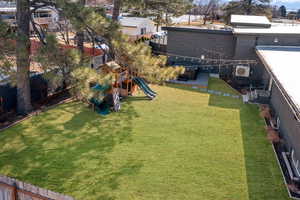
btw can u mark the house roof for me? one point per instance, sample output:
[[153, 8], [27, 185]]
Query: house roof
[[35, 45], [14, 9], [282, 62], [250, 20], [276, 28], [133, 21], [197, 29], [8, 9]]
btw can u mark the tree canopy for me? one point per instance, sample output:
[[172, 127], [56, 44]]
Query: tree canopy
[[248, 7], [282, 11], [69, 66]]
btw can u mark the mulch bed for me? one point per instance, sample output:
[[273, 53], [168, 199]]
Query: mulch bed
[[292, 187]]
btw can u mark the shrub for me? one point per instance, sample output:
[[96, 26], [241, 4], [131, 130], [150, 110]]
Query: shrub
[[272, 135], [265, 112]]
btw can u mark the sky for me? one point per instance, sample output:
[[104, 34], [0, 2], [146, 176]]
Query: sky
[[290, 4]]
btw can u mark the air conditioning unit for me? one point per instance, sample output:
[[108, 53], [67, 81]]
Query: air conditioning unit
[[242, 71]]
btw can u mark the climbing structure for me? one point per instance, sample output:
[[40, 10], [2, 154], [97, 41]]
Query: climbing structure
[[126, 84], [144, 87]]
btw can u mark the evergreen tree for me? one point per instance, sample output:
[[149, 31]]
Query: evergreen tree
[[116, 9], [138, 59], [7, 52], [23, 56], [282, 10], [82, 80], [58, 62], [248, 7], [298, 14], [53, 58]]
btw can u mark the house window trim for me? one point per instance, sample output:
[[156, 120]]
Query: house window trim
[[295, 163]]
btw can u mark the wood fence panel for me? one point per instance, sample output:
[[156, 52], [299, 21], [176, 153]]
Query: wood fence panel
[[26, 191], [5, 193]]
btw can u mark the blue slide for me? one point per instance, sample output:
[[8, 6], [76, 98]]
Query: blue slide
[[144, 86]]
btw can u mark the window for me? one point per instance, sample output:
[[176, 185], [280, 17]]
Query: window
[[270, 84], [256, 41], [45, 14], [7, 16], [278, 123], [42, 14], [295, 163], [143, 31]]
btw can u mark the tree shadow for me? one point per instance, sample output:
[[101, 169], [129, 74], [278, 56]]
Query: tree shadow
[[67, 150], [137, 98], [183, 87], [264, 180]]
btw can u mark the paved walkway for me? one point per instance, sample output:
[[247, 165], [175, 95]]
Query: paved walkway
[[200, 82]]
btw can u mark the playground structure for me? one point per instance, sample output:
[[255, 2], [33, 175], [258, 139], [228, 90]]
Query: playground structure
[[126, 84]]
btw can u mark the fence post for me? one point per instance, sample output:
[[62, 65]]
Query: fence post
[[14, 192]]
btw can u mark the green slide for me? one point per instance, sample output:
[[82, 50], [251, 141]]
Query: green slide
[[144, 86]]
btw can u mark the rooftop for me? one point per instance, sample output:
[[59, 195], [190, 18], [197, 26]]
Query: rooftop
[[133, 21], [283, 63], [275, 28], [250, 20], [198, 29], [14, 9]]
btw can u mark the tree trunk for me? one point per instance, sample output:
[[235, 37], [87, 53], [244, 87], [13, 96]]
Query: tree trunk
[[248, 7], [205, 19], [80, 36], [80, 41], [157, 23], [23, 57], [116, 10]]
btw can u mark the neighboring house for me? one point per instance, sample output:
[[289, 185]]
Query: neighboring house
[[276, 50], [136, 26], [282, 65], [45, 17], [96, 55], [237, 43], [97, 3]]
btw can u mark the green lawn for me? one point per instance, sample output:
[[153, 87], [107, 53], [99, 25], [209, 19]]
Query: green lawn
[[185, 145], [220, 85]]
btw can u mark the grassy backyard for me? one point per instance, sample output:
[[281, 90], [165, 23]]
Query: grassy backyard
[[185, 145]]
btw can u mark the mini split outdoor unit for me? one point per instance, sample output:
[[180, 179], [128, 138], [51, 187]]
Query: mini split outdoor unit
[[242, 71]]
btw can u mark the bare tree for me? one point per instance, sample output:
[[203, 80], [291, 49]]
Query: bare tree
[[208, 9]]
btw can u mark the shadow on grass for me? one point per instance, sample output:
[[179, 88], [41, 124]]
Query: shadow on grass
[[71, 156], [137, 98], [263, 177], [183, 87], [264, 180]]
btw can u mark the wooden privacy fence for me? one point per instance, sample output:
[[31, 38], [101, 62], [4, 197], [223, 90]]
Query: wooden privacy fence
[[12, 189]]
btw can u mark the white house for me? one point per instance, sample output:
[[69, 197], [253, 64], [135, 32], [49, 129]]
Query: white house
[[137, 26], [45, 17]]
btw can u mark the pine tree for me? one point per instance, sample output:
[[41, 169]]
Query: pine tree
[[23, 57], [7, 52], [248, 7], [282, 11], [116, 9], [138, 59]]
